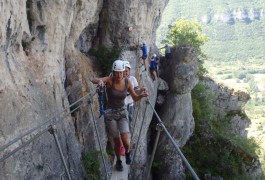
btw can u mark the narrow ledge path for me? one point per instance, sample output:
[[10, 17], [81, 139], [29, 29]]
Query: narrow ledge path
[[120, 175]]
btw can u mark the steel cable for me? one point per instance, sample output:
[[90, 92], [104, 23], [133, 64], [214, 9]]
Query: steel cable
[[44, 123], [172, 140], [100, 148]]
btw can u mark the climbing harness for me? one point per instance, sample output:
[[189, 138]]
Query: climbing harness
[[100, 91]]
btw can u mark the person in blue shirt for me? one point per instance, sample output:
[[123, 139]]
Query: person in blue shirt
[[144, 54], [153, 67]]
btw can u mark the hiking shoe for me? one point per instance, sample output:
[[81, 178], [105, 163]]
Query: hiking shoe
[[119, 166], [128, 158], [122, 150]]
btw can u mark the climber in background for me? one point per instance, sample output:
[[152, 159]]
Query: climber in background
[[153, 67], [144, 54], [167, 53], [116, 113]]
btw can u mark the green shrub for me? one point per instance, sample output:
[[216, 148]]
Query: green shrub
[[196, 109], [105, 56], [92, 165], [202, 102], [213, 149]]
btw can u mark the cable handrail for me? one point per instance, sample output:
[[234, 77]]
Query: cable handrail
[[53, 122], [174, 143], [97, 134], [195, 176], [42, 124], [5, 156]]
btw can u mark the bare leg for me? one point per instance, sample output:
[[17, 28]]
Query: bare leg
[[154, 76], [117, 147], [144, 63], [126, 141]]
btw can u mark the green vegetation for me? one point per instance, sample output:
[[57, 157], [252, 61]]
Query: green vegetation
[[105, 56], [188, 33], [184, 32], [235, 53], [213, 149], [239, 41], [91, 165]]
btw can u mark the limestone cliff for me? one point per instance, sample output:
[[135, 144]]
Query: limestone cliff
[[176, 112], [44, 69], [230, 103], [230, 17]]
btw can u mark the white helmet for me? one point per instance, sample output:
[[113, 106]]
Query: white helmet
[[154, 55], [127, 64], [118, 65]]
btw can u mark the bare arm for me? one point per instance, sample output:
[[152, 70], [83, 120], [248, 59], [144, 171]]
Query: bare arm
[[135, 96], [101, 81], [140, 90]]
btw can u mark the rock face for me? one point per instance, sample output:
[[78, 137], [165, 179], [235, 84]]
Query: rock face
[[44, 69], [176, 112], [230, 103]]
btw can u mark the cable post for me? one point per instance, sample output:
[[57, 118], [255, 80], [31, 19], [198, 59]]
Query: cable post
[[159, 129], [53, 130], [100, 147], [195, 176]]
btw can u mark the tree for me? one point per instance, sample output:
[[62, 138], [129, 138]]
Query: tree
[[188, 33]]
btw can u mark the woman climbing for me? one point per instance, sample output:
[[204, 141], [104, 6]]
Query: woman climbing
[[116, 116]]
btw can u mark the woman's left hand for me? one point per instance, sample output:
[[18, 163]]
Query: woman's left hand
[[145, 93]]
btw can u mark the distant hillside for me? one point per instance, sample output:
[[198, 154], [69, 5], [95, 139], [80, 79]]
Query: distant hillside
[[236, 28]]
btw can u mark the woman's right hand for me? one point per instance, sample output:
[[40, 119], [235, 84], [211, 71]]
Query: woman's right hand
[[100, 83]]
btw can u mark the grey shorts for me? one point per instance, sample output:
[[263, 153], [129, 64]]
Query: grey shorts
[[117, 121]]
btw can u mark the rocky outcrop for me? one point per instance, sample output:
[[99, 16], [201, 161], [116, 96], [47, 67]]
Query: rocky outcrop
[[176, 112], [230, 103]]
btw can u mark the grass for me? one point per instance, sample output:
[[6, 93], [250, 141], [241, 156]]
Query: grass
[[92, 165]]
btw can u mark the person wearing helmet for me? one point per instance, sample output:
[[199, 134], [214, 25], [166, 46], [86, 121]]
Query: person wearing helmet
[[128, 100], [116, 113], [144, 54], [153, 67]]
